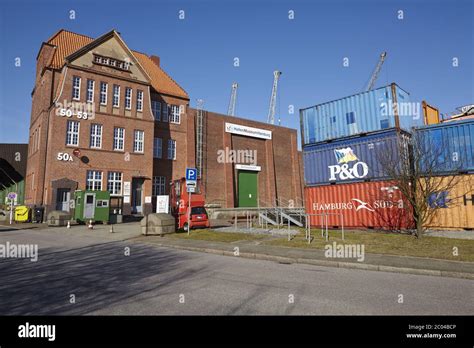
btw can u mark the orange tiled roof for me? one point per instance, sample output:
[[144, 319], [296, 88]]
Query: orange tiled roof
[[160, 80], [67, 43]]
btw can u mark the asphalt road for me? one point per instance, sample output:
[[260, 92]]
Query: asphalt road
[[154, 281]]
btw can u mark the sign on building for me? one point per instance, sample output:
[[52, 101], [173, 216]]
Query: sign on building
[[248, 131], [162, 204]]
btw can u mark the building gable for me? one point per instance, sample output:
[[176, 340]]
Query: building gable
[[109, 54]]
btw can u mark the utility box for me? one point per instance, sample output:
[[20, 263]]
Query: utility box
[[58, 218], [92, 205], [158, 224]]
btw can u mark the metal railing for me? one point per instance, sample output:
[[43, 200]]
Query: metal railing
[[263, 216], [323, 219]]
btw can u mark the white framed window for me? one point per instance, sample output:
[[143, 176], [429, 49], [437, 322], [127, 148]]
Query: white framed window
[[76, 87], [175, 113], [119, 138], [94, 180], [139, 135], [103, 93], [128, 98], [139, 100], [116, 98], [96, 136], [156, 109], [171, 149], [90, 91], [114, 183], [165, 112], [157, 148], [159, 186], [72, 133]]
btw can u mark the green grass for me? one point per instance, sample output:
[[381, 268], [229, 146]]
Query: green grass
[[388, 243], [205, 234], [374, 242]]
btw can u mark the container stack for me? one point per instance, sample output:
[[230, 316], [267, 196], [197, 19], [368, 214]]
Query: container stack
[[450, 146], [343, 141]]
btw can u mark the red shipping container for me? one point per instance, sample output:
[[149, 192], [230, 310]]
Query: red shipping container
[[376, 204]]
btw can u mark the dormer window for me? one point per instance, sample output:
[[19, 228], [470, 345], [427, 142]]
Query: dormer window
[[112, 62]]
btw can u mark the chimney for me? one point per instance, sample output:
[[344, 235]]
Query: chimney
[[155, 60]]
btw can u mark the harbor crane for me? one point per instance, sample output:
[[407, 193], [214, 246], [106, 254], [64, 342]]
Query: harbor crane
[[233, 100], [376, 72], [272, 109]]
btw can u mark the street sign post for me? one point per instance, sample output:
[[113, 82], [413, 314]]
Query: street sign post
[[191, 174], [11, 196], [191, 183]]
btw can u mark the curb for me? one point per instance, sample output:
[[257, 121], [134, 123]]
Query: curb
[[326, 263]]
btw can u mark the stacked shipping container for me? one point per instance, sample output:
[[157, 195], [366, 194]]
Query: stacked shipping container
[[382, 108], [377, 204], [451, 147], [344, 142], [351, 159]]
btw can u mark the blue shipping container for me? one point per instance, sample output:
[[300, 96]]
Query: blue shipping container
[[351, 159], [360, 113], [449, 146]]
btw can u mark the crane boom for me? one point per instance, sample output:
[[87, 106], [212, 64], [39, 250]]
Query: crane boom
[[233, 100], [272, 108], [375, 74]]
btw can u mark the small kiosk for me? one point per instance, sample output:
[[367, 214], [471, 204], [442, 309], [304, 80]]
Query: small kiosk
[[92, 205]]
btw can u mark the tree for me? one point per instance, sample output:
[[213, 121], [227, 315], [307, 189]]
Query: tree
[[423, 169]]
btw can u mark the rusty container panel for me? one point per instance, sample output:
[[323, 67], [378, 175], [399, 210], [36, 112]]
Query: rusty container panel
[[455, 209], [364, 204], [430, 113]]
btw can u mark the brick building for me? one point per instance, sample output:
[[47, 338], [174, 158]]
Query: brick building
[[105, 117]]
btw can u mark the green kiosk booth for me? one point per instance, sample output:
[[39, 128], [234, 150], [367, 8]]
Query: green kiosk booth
[[91, 205]]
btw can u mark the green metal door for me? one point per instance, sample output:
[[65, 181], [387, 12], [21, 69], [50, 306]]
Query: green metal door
[[247, 189]]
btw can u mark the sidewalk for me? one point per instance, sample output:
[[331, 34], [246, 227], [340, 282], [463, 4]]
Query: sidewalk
[[373, 262], [120, 232]]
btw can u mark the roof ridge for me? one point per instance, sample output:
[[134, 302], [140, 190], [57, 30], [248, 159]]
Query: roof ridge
[[67, 31]]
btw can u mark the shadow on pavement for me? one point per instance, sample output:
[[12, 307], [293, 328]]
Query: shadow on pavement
[[99, 276]]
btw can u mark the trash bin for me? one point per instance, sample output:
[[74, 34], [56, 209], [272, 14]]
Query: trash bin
[[22, 213], [38, 214]]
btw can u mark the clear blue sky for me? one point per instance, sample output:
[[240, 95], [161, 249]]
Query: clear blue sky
[[198, 51]]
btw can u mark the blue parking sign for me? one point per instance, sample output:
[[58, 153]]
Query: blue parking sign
[[191, 174]]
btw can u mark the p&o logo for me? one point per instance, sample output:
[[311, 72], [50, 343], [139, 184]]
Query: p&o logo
[[342, 170]]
